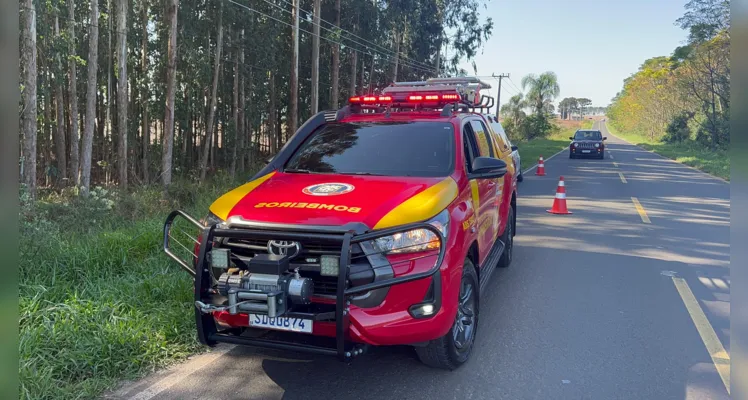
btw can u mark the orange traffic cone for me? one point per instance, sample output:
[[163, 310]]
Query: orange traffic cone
[[559, 203], [541, 167]]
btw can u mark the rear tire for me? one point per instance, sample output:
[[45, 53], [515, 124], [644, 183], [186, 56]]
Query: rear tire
[[454, 348], [508, 238]]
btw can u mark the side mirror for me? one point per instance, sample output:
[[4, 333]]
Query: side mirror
[[605, 138], [571, 137], [268, 160], [515, 148], [487, 168]]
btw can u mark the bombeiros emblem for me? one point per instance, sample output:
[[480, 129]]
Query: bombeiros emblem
[[328, 189]]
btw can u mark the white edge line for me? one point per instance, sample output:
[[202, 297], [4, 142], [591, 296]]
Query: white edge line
[[181, 372], [544, 160], [669, 159]]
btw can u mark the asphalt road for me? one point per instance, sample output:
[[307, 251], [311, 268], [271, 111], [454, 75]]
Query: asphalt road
[[597, 305]]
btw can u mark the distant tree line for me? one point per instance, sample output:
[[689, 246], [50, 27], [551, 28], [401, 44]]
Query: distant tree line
[[134, 92], [684, 96]]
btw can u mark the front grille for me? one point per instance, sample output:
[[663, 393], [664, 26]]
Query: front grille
[[585, 145], [307, 261]]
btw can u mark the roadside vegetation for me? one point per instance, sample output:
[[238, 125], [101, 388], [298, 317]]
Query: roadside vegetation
[[679, 105], [99, 301]]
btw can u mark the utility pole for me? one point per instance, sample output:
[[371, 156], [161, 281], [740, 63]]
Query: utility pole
[[294, 117], [315, 58], [498, 95]]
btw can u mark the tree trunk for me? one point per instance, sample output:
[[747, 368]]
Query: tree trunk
[[242, 129], [371, 74], [397, 56], [272, 136], [315, 58], [171, 74], [90, 119], [145, 130], [293, 117], [122, 95], [57, 87], [235, 117], [28, 117], [363, 71], [213, 100], [354, 70], [108, 124], [74, 135], [335, 61]]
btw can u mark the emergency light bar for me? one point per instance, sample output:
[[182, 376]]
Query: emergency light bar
[[432, 93]]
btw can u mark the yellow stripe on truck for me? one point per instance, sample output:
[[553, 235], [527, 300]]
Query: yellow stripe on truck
[[222, 207], [422, 206]]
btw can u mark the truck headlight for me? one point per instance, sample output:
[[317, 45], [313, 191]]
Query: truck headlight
[[210, 219], [415, 240], [597, 144], [573, 144]]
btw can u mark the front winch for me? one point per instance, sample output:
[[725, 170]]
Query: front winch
[[267, 287]]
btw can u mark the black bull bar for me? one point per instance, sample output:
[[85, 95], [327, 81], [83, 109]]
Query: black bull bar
[[346, 236]]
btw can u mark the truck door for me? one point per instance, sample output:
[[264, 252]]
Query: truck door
[[484, 191]]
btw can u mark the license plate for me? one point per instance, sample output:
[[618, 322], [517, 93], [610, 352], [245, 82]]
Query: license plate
[[281, 323], [586, 151]]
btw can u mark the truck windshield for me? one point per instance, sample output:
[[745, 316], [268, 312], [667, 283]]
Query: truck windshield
[[424, 149], [588, 135]]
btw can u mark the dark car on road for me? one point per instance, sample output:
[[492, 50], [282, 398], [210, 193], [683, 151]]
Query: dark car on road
[[587, 143]]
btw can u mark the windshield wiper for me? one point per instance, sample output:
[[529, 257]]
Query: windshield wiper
[[297, 171], [360, 173]]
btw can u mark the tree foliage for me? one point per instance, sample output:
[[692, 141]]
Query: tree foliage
[[112, 120], [694, 81]]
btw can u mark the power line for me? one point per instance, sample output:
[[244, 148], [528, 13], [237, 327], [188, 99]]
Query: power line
[[320, 36], [310, 14], [515, 86]]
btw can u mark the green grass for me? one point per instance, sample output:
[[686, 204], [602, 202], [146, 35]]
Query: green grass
[[531, 150], [99, 301], [714, 162]]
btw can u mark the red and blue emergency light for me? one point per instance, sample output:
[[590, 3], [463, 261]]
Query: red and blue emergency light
[[435, 92]]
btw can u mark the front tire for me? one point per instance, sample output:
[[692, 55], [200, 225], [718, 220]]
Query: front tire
[[454, 349], [520, 177]]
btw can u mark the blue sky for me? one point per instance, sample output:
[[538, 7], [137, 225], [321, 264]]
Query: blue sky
[[591, 45]]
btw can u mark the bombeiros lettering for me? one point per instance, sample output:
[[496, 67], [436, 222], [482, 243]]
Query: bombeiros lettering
[[310, 206]]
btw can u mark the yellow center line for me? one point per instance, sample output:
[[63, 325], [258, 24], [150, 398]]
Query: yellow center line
[[641, 211], [720, 357], [623, 179]]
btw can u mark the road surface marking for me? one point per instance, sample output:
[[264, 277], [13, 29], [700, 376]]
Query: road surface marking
[[611, 155], [615, 164], [181, 373], [720, 357], [641, 211], [623, 179]]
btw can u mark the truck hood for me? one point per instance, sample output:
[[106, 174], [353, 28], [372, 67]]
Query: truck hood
[[332, 199]]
